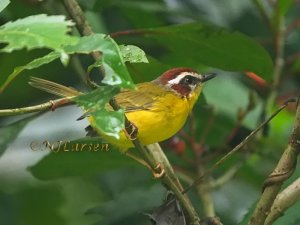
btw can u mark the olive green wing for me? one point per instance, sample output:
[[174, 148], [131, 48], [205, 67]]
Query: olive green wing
[[143, 98]]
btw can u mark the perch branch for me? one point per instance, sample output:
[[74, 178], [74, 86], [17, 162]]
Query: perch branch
[[36, 108], [169, 179], [282, 172], [283, 201]]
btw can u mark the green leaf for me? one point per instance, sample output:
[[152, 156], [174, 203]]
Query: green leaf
[[3, 4], [45, 202], [29, 66], [142, 199], [215, 47], [110, 123], [112, 61], [38, 31], [94, 103], [133, 54], [10, 132], [116, 71], [78, 158]]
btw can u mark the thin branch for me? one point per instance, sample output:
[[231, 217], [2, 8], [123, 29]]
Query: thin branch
[[263, 12], [238, 147], [282, 171], [134, 32], [36, 108], [288, 197]]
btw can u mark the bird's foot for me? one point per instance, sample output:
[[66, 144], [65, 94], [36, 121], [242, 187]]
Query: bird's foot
[[131, 131], [158, 172]]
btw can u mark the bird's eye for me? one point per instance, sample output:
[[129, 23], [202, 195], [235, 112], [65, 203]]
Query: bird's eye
[[189, 80]]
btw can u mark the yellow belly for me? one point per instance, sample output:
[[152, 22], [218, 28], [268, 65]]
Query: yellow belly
[[165, 119]]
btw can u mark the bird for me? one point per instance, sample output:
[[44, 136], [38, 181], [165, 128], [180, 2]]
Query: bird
[[158, 108]]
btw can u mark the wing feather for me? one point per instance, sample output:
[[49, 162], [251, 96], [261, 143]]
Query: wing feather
[[143, 98]]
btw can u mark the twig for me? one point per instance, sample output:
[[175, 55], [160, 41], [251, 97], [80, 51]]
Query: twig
[[133, 32], [169, 179], [263, 13], [279, 61], [238, 147], [283, 171], [35, 108], [288, 197]]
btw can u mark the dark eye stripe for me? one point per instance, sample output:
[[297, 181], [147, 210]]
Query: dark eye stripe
[[189, 80]]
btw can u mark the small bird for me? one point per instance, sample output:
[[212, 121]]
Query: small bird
[[158, 108]]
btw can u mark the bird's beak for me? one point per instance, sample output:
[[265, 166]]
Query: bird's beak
[[208, 76]]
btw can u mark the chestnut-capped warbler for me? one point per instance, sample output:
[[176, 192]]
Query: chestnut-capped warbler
[[158, 108]]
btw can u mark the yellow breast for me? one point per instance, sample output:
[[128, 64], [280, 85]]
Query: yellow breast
[[164, 118]]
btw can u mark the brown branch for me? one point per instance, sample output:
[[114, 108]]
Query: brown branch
[[52, 104], [282, 171], [238, 147], [169, 179], [283, 201]]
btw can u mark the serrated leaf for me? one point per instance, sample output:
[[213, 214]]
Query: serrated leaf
[[3, 4], [133, 54], [112, 61], [116, 71], [214, 46], [94, 103], [38, 31], [80, 157]]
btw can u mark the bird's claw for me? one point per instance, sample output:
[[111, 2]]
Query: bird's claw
[[131, 131], [158, 172]]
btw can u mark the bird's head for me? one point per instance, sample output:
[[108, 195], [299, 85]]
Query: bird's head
[[185, 82]]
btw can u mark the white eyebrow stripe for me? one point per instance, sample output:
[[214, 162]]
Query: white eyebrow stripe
[[182, 75]]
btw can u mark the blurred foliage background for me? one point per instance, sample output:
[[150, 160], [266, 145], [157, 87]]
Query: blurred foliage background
[[40, 187]]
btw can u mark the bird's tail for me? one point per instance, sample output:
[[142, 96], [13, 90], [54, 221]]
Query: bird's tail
[[53, 88]]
